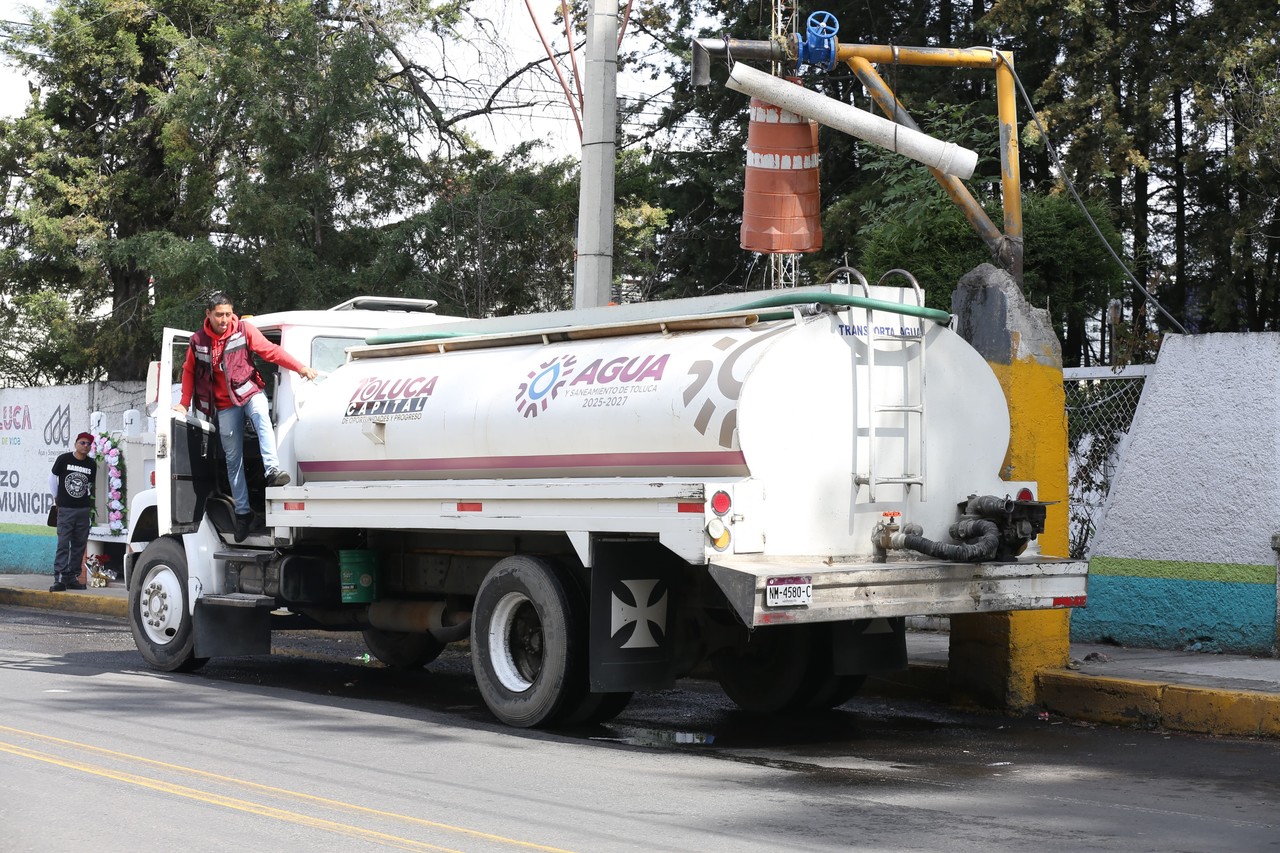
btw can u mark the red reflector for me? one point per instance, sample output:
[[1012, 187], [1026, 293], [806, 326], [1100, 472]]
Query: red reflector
[[470, 507], [689, 507], [720, 503], [1069, 601], [1024, 494], [153, 479], [295, 505]]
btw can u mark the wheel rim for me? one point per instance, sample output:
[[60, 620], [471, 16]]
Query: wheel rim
[[515, 642], [161, 605]]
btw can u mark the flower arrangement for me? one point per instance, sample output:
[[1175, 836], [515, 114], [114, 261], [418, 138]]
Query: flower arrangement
[[95, 569], [106, 450]]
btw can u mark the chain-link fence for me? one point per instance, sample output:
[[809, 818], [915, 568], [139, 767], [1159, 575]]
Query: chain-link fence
[[1100, 407]]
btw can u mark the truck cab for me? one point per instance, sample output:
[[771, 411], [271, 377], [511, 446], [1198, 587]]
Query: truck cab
[[190, 479]]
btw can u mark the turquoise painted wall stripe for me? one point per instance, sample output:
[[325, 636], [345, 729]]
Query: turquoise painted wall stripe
[[1173, 570], [1167, 613], [27, 553]]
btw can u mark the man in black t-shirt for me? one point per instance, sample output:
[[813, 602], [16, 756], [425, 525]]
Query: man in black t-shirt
[[71, 483]]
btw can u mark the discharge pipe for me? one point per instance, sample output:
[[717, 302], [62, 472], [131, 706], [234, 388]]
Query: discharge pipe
[[946, 157], [982, 540]]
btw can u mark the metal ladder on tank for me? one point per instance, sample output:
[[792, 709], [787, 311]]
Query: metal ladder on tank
[[908, 408]]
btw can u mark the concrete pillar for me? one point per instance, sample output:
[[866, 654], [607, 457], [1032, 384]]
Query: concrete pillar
[[994, 657]]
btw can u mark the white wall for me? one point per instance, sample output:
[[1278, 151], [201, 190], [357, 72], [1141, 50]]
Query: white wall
[[38, 424], [1199, 478]]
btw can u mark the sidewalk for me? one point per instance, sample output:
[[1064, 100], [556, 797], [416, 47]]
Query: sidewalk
[[1183, 691]]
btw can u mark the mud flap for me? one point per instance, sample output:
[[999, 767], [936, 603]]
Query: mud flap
[[236, 625], [869, 646], [634, 591]]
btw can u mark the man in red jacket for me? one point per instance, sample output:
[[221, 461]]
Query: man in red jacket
[[219, 375]]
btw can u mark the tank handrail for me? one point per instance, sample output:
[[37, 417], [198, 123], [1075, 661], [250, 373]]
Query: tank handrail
[[942, 318], [862, 279], [909, 277]]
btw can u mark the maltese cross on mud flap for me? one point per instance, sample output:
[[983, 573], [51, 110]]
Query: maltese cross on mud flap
[[643, 613]]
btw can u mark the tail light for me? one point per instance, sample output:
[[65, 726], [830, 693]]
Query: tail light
[[718, 531]]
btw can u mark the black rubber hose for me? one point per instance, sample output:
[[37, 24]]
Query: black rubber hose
[[982, 548]]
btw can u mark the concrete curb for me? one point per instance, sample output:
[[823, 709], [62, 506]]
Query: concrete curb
[[76, 602], [1115, 701], [1180, 707]]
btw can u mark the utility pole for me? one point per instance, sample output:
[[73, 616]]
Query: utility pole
[[593, 268]]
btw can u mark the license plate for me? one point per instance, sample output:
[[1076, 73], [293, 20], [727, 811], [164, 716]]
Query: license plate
[[788, 592]]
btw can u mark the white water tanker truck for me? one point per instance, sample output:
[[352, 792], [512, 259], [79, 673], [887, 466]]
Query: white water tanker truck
[[602, 500]]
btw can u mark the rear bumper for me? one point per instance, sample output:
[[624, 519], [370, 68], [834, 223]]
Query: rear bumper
[[866, 590]]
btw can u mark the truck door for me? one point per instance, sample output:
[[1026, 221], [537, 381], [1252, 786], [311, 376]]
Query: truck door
[[187, 449]]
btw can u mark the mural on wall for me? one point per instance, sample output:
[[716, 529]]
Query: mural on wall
[[36, 426]]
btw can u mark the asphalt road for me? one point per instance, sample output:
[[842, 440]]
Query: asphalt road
[[315, 749]]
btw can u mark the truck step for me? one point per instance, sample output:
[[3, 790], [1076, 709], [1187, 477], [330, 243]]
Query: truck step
[[238, 599], [243, 555]]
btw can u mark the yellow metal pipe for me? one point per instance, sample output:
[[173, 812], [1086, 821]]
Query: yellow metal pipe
[[857, 56], [1010, 175], [967, 57], [954, 187]]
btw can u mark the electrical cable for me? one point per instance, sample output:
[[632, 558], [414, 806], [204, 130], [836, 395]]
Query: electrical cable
[[1057, 162]]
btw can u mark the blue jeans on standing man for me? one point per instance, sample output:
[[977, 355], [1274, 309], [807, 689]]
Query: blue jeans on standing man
[[231, 430]]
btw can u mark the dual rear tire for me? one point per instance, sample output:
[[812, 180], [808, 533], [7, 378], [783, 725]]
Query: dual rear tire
[[784, 669]]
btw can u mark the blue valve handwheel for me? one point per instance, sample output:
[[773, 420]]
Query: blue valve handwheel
[[823, 25]]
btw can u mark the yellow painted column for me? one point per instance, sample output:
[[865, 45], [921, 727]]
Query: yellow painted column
[[994, 657]]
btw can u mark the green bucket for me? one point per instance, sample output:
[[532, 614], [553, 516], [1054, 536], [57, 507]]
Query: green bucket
[[358, 576]]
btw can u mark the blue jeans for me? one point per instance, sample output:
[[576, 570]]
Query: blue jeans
[[231, 430]]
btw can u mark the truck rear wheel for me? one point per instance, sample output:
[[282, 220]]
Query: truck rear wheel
[[834, 691], [528, 643], [596, 708], [159, 614], [773, 670], [402, 650]]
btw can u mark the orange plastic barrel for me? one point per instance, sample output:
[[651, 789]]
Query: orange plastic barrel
[[781, 204]]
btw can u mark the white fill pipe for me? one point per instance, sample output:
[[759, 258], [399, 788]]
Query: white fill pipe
[[944, 156]]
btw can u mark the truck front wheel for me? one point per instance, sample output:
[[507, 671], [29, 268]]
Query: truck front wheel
[[527, 643], [159, 615]]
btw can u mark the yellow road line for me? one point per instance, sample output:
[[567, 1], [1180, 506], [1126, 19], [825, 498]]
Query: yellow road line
[[226, 802], [284, 792]]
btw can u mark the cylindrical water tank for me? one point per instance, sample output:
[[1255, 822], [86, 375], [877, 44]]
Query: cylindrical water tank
[[786, 404], [781, 205]]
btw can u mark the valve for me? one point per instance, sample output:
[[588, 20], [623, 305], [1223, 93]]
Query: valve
[[819, 47]]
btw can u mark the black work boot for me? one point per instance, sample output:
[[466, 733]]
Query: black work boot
[[244, 523]]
